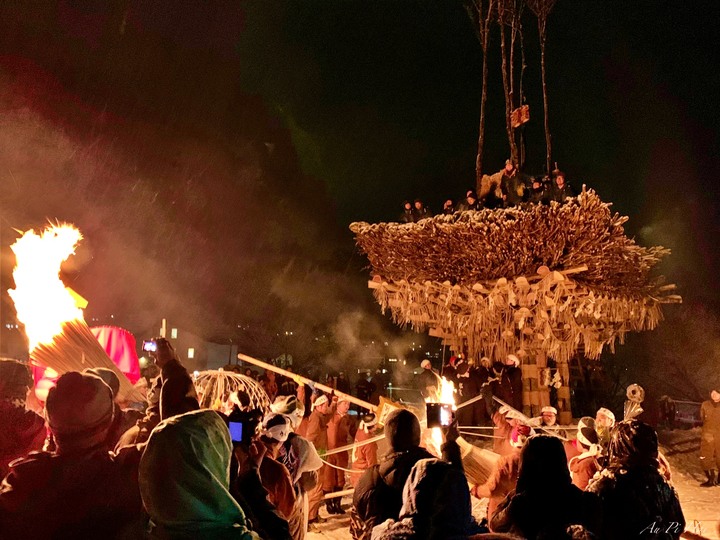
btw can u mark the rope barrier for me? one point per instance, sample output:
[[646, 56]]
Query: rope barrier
[[338, 467], [353, 445]]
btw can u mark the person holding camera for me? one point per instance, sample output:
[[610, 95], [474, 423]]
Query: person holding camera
[[172, 392]]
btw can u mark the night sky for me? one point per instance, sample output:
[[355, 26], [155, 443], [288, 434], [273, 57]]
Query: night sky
[[215, 152]]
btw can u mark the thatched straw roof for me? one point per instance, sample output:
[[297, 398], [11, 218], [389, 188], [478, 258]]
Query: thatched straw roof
[[555, 278]]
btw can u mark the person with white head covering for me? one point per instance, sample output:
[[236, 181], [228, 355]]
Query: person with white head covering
[[341, 432], [301, 460], [322, 412], [604, 422], [364, 454], [275, 477], [427, 380], [584, 466]]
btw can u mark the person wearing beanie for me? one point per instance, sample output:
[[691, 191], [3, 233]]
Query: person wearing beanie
[[302, 461], [378, 494], [21, 430], [341, 432], [322, 412], [275, 477], [632, 491], [80, 490], [584, 466], [364, 454], [123, 419]]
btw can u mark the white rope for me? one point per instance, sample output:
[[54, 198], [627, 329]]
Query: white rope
[[354, 445], [338, 467]]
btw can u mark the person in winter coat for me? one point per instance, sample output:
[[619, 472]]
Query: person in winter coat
[[172, 393], [636, 500], [378, 494], [302, 462], [512, 185], [420, 211], [407, 216], [505, 474], [185, 480], [584, 465], [560, 190], [470, 202], [341, 432], [21, 431], [544, 479], [435, 500], [710, 439], [80, 490], [364, 456]]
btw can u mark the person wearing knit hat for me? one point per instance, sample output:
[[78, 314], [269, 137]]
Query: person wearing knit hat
[[80, 490], [21, 430], [79, 411], [378, 495], [584, 466]]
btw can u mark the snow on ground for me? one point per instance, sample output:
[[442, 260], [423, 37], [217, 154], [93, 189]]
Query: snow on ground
[[701, 506]]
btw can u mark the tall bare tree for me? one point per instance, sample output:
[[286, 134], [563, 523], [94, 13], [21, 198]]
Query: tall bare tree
[[482, 14], [509, 12], [542, 9]]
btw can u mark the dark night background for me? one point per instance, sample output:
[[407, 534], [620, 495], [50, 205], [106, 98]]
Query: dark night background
[[214, 153]]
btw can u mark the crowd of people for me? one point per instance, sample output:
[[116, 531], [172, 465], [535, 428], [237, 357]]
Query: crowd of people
[[509, 187], [88, 467]]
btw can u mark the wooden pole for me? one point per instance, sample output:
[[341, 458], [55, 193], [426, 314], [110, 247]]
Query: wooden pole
[[305, 380]]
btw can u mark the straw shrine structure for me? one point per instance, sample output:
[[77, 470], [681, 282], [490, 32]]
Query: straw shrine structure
[[543, 282]]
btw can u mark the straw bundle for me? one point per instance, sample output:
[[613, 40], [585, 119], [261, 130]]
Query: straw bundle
[[76, 349], [478, 463], [555, 279], [214, 388]]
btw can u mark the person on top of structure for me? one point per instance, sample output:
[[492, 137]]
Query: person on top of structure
[[448, 207], [538, 192], [512, 185], [710, 439], [470, 202], [604, 422], [407, 216], [560, 190], [420, 211]]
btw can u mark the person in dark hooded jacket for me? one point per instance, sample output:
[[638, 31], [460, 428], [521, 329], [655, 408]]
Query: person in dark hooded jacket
[[436, 505], [21, 431], [378, 494], [80, 490], [544, 479], [637, 501]]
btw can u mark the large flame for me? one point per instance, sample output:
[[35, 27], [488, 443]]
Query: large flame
[[444, 394], [41, 300]]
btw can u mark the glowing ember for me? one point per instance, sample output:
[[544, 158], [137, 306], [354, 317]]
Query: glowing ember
[[41, 300]]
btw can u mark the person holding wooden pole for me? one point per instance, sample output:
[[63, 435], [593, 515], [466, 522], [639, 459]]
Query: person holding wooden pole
[[321, 414]]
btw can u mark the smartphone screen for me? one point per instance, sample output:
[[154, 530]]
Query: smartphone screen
[[438, 414], [149, 346], [236, 431]]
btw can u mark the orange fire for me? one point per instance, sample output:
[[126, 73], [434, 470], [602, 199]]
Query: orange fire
[[445, 394], [41, 299]]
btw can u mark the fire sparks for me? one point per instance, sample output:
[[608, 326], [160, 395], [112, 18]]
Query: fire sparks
[[41, 300]]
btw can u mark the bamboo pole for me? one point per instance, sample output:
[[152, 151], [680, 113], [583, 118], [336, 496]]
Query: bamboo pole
[[305, 380]]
